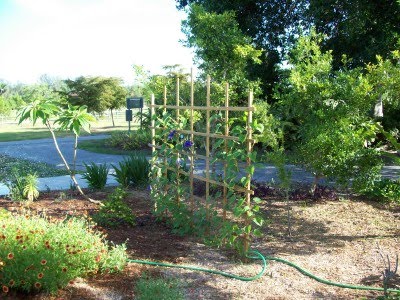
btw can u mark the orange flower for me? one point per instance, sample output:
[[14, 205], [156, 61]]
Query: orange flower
[[38, 285], [10, 256], [40, 275], [5, 289], [11, 283], [43, 262]]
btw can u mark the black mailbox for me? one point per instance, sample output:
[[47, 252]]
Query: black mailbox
[[134, 103], [128, 114]]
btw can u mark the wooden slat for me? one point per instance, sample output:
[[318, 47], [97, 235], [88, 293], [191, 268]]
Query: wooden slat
[[212, 135], [206, 108], [212, 181]]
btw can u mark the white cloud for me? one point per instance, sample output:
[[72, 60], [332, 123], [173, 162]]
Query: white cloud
[[68, 38]]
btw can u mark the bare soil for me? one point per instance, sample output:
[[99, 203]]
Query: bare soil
[[338, 240]]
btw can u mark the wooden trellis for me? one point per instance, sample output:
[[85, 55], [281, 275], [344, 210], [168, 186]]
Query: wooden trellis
[[208, 135]]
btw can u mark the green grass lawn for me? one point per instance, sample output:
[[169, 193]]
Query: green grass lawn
[[10, 165]]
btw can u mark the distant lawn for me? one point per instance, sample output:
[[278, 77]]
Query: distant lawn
[[29, 134], [100, 146], [20, 133]]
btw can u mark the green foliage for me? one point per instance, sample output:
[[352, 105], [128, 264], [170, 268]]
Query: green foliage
[[115, 212], [148, 288], [36, 254], [97, 93], [133, 171], [326, 115], [385, 78], [358, 29], [221, 49], [96, 175], [135, 140], [385, 189], [4, 106], [23, 186], [169, 181], [74, 119], [23, 166]]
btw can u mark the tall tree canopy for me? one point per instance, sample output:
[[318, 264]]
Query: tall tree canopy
[[97, 93], [357, 28]]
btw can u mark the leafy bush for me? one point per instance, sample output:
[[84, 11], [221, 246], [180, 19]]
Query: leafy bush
[[115, 212], [36, 254], [158, 288], [385, 189], [134, 170], [135, 140], [23, 187], [96, 175]]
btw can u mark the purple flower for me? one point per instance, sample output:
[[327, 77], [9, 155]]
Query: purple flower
[[171, 134], [188, 144]]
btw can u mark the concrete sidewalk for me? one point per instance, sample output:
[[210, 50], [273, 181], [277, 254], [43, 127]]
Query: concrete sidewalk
[[59, 183]]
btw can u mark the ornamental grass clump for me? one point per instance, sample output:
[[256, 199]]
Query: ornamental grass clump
[[36, 254]]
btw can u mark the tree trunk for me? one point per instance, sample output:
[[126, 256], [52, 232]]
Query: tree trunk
[[315, 184], [71, 174], [112, 117], [75, 150]]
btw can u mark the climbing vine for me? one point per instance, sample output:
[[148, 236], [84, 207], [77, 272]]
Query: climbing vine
[[226, 215]]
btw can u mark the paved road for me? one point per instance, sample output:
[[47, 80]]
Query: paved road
[[43, 150]]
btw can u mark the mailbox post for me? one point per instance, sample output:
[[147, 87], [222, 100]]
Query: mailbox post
[[133, 103]]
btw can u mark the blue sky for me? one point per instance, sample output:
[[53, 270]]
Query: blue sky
[[70, 38]]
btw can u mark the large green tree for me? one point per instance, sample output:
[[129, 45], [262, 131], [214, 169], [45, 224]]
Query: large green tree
[[360, 29], [329, 125], [97, 93], [221, 49]]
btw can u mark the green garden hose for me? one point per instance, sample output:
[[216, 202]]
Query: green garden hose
[[264, 259], [258, 256]]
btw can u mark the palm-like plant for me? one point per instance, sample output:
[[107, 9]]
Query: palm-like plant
[[73, 118]]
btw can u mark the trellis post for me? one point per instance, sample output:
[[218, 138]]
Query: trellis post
[[249, 147]]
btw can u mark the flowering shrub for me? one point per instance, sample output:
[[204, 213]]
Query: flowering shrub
[[36, 254]]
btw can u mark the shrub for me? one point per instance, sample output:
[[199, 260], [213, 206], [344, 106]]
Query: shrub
[[385, 189], [96, 175], [36, 254], [134, 170], [158, 288], [135, 140], [115, 212]]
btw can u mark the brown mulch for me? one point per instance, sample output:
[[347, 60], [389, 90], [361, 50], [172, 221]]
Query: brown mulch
[[337, 240]]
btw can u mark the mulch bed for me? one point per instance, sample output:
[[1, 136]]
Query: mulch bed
[[332, 238]]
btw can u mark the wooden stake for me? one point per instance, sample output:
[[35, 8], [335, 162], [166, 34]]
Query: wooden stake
[[153, 129], [208, 104], [178, 156], [192, 139], [225, 191], [247, 238]]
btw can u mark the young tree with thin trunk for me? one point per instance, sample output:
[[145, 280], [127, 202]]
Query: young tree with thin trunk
[[74, 119]]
